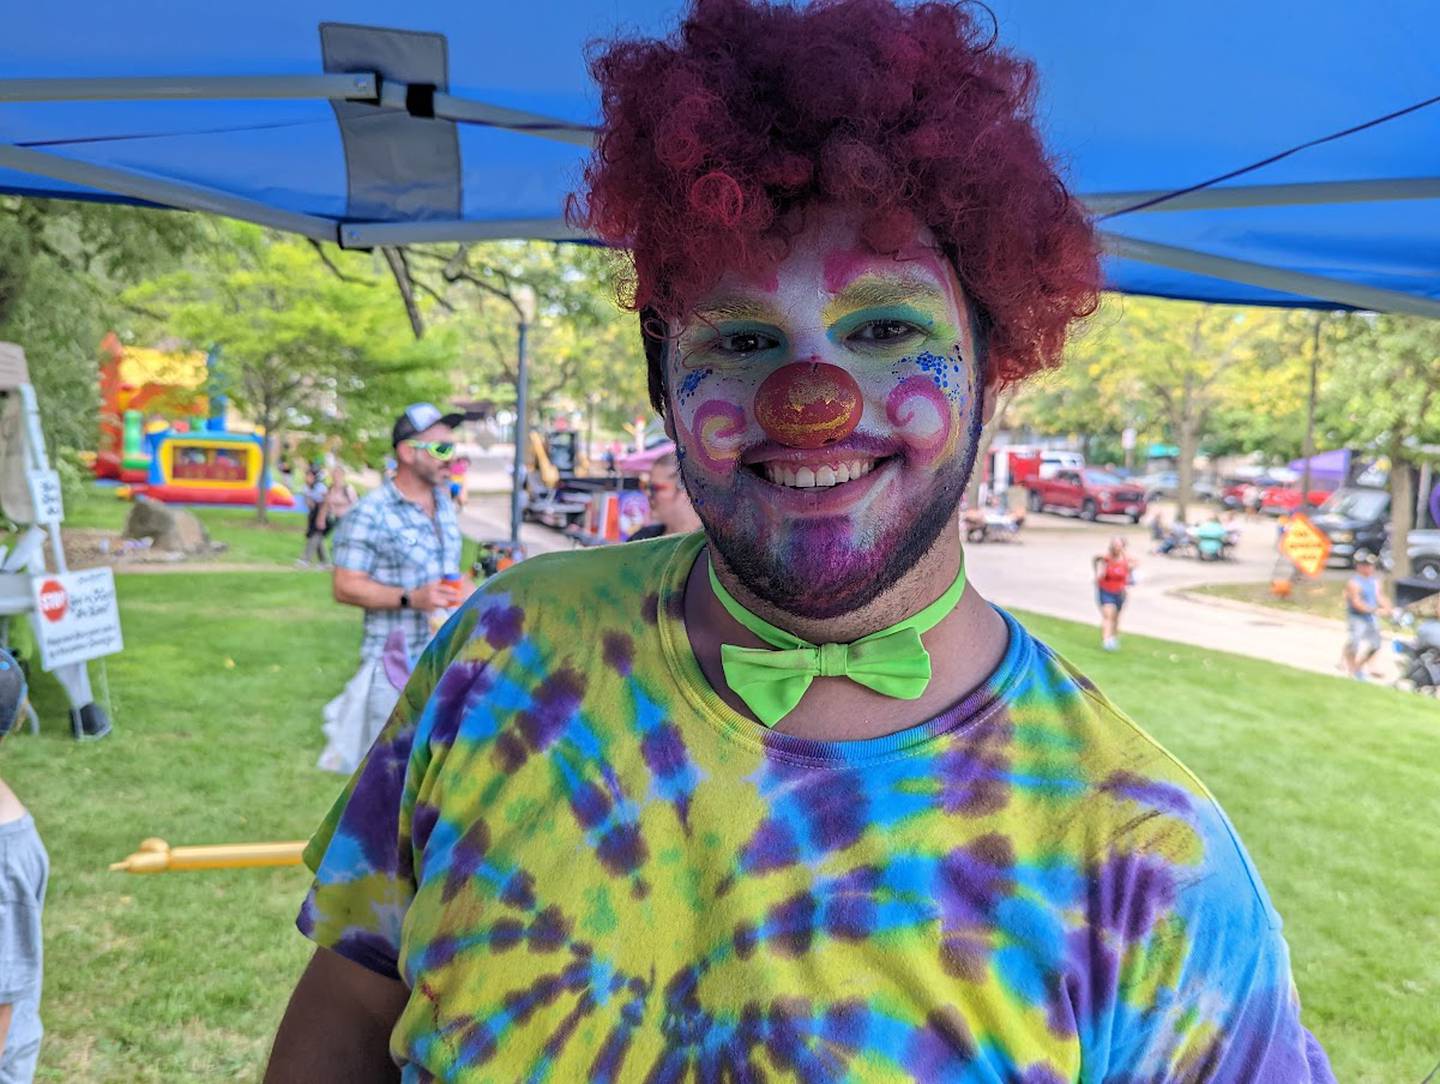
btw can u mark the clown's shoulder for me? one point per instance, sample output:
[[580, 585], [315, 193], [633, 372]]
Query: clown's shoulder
[[582, 586]]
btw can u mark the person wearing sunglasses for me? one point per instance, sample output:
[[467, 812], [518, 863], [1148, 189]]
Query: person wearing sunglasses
[[670, 509], [397, 556]]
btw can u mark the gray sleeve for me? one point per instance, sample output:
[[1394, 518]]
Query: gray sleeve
[[22, 896], [19, 948]]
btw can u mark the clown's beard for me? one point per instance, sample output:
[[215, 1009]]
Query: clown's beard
[[819, 568]]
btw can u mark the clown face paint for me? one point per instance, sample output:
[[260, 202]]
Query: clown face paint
[[830, 437]]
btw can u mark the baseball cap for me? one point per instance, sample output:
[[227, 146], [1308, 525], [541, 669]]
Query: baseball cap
[[419, 417]]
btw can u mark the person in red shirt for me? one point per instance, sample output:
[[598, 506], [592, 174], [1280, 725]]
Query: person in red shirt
[[1113, 570]]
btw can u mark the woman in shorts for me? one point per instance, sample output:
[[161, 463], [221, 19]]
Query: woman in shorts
[[1113, 570]]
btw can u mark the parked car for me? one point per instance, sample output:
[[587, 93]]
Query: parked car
[[1283, 500], [1165, 485], [1089, 493], [1357, 521], [1243, 492], [1424, 550], [1052, 461]]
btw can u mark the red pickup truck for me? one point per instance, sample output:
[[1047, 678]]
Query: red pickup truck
[[1089, 493]]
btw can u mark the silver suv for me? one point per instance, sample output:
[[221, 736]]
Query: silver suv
[[1424, 550]]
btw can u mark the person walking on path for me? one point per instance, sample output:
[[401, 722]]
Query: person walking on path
[[397, 557], [670, 509], [1114, 570], [1364, 602], [787, 798], [340, 497], [315, 492]]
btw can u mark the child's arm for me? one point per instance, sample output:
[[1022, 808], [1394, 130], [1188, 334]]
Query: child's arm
[[6, 1011]]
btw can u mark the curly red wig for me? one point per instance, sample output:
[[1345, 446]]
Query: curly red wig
[[715, 141]]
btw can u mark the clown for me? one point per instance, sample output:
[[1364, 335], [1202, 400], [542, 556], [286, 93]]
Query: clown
[[785, 798]]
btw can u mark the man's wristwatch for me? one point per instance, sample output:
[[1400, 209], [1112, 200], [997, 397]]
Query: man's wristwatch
[[404, 600]]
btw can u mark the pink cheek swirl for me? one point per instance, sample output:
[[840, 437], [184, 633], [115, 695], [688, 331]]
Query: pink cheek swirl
[[921, 416], [719, 431]]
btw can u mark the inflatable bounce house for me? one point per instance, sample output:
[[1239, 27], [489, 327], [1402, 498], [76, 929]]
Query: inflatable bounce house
[[164, 437]]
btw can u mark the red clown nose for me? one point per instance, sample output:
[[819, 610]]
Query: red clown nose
[[808, 405]]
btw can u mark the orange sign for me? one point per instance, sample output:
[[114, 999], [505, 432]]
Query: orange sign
[[1307, 546]]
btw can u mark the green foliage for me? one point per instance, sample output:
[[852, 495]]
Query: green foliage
[[584, 351], [303, 343], [1384, 390], [63, 266], [1385, 394], [1225, 379]]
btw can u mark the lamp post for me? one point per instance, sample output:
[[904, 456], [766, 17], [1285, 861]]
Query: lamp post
[[523, 298]]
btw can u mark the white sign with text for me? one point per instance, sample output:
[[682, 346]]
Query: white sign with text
[[77, 617], [45, 493]]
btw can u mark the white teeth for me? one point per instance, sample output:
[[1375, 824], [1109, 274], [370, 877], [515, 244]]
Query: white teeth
[[831, 474]]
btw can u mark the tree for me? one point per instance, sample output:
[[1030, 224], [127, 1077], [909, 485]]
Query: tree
[[1385, 394], [306, 339], [63, 266], [584, 351], [1177, 361]]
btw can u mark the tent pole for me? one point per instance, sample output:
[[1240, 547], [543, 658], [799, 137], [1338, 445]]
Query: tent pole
[[141, 186], [523, 298], [1267, 195], [341, 86], [1354, 294]]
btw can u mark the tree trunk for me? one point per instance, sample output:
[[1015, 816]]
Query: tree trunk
[[1402, 510], [261, 490], [1187, 429]]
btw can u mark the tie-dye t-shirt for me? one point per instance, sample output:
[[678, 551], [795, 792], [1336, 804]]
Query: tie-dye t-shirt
[[586, 867]]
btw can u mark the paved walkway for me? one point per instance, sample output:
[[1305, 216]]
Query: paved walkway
[[1048, 571]]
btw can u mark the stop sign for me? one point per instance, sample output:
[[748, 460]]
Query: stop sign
[[53, 600]]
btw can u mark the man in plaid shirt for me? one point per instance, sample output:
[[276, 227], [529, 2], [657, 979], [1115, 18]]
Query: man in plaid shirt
[[397, 555]]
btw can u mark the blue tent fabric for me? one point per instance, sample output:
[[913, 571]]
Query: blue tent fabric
[[1137, 100]]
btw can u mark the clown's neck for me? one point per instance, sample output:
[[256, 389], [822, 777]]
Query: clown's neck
[[922, 585]]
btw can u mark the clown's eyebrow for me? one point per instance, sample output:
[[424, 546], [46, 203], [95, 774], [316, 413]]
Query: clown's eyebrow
[[873, 291], [738, 307]]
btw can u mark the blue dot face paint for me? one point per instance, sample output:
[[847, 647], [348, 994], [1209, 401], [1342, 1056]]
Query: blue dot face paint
[[691, 384]]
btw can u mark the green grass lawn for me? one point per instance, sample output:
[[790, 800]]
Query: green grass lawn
[[279, 541], [180, 977], [1324, 597]]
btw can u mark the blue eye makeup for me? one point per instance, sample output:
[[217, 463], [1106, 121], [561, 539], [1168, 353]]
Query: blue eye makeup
[[883, 326]]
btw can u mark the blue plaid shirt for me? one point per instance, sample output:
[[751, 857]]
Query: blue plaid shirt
[[391, 540]]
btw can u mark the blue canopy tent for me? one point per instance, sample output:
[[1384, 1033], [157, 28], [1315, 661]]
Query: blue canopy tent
[[369, 124], [1232, 152]]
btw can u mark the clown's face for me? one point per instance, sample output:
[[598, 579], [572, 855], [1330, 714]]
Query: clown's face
[[828, 418]]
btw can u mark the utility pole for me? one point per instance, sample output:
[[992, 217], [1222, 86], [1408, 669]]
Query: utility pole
[[1309, 448], [523, 299]]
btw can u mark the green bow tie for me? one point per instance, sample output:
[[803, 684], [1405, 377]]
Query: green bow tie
[[892, 661]]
